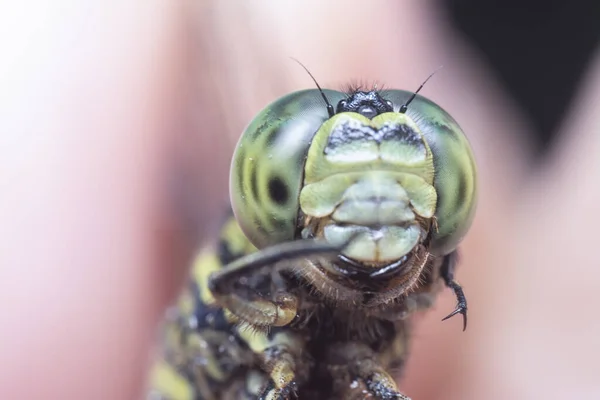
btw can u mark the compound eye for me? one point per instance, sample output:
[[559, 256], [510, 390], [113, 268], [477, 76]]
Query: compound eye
[[268, 165]]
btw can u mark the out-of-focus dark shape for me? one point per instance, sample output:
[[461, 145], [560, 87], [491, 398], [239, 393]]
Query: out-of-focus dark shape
[[538, 49]]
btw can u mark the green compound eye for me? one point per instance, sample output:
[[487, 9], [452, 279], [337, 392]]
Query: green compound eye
[[268, 165], [267, 173], [455, 177]]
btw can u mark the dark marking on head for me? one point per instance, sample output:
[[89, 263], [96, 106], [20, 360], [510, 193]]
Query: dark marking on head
[[253, 179], [281, 111], [256, 133], [272, 137], [401, 132], [239, 169], [354, 132], [453, 134], [462, 196], [369, 104], [348, 133], [278, 191]]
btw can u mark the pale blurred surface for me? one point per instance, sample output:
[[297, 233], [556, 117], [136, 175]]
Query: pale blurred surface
[[116, 129]]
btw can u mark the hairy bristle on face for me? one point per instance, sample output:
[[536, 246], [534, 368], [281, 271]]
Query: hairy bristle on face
[[361, 85]]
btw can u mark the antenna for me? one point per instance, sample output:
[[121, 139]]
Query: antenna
[[404, 107], [329, 106]]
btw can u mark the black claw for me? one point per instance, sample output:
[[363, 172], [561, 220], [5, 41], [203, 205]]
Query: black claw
[[458, 310], [447, 272], [461, 307]]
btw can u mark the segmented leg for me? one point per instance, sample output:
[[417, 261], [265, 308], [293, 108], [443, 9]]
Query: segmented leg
[[358, 374], [280, 354], [447, 273], [232, 286]]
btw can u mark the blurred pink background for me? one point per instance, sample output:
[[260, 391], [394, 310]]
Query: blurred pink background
[[117, 123]]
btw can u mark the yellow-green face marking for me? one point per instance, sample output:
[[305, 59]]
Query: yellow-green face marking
[[372, 178], [389, 181]]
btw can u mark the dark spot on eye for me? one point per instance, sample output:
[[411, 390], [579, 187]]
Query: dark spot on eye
[[253, 180], [462, 195], [239, 170], [272, 137], [278, 191], [259, 130]]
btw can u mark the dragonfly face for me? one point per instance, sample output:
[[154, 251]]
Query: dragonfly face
[[347, 220]]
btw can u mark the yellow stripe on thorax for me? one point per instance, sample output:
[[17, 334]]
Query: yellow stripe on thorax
[[169, 383], [199, 346], [256, 340], [236, 241], [206, 263]]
